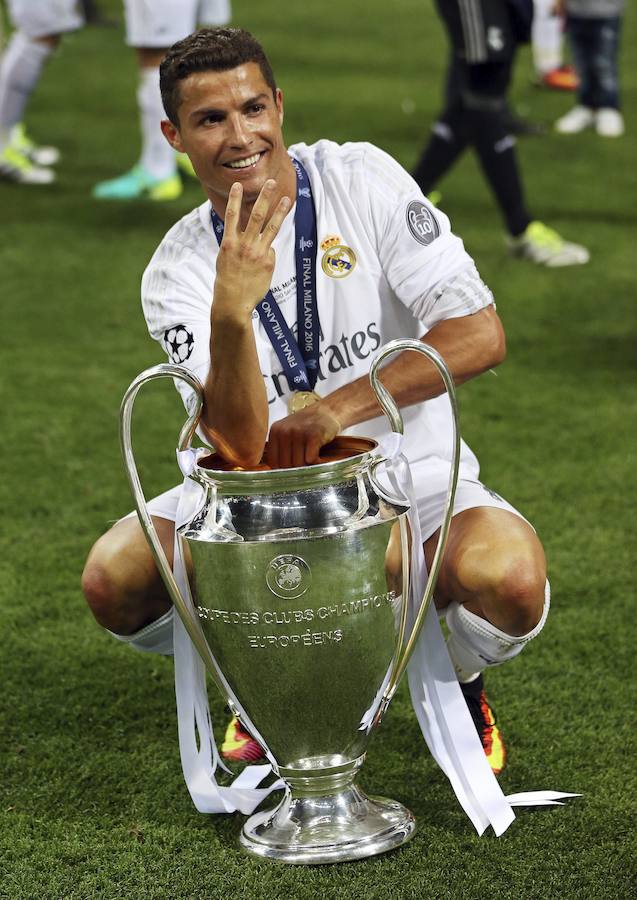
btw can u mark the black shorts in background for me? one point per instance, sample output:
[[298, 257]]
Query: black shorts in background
[[480, 30]]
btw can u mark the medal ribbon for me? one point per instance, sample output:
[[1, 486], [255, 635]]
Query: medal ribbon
[[299, 363]]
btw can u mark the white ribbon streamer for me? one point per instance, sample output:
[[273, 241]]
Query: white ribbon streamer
[[436, 697], [200, 760], [438, 702]]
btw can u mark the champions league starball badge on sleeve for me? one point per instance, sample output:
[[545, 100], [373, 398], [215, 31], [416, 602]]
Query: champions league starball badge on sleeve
[[299, 606], [179, 342]]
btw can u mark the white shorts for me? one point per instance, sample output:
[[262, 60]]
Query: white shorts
[[40, 18], [160, 23], [430, 482]]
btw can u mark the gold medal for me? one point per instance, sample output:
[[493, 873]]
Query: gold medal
[[300, 399]]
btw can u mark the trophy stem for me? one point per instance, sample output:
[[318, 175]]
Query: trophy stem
[[327, 819]]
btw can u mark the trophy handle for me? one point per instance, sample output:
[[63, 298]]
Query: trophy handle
[[185, 437], [392, 412]]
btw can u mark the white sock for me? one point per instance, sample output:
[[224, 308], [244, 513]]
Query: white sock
[[546, 37], [474, 644], [157, 637], [157, 157], [20, 71]]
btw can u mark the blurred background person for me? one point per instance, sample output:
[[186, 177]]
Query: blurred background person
[[547, 45], [484, 35], [593, 28], [38, 26], [151, 28]]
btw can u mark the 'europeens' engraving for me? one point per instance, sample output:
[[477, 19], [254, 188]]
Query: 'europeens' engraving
[[307, 638]]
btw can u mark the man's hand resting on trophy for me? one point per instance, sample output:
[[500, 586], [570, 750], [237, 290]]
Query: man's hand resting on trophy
[[297, 439]]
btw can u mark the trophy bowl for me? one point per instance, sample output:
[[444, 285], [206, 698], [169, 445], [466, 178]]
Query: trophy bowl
[[300, 585]]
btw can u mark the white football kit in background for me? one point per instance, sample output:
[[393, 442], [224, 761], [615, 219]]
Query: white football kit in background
[[546, 36], [160, 23], [40, 18], [23, 59]]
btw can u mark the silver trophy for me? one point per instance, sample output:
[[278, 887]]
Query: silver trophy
[[300, 580]]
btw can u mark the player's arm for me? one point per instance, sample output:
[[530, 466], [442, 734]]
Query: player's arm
[[235, 413], [469, 345]]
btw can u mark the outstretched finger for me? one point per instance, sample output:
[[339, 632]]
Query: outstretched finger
[[233, 210], [276, 220], [260, 210]]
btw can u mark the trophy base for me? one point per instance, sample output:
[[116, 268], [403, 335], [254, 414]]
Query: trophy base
[[332, 828]]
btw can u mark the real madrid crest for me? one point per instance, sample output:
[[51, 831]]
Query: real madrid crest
[[338, 260]]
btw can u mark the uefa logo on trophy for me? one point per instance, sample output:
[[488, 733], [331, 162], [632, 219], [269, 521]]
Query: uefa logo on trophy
[[288, 576]]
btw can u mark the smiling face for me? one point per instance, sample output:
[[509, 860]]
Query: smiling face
[[230, 127]]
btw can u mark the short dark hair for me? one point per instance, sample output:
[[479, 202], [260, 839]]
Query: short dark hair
[[208, 49]]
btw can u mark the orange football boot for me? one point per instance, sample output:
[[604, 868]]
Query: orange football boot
[[238, 745], [484, 720], [564, 78]]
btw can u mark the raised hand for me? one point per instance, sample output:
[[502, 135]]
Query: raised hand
[[246, 258]]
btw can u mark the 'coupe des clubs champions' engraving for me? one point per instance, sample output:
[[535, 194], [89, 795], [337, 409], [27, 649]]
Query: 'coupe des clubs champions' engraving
[[288, 616]]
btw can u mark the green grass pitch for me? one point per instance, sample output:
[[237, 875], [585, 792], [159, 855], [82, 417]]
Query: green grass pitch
[[92, 800]]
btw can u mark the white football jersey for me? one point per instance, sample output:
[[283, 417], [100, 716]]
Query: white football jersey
[[161, 23], [388, 266]]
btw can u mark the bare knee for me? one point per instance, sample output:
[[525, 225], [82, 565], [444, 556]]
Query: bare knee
[[507, 590], [518, 596], [120, 581], [51, 41], [505, 582], [150, 57], [106, 600]]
